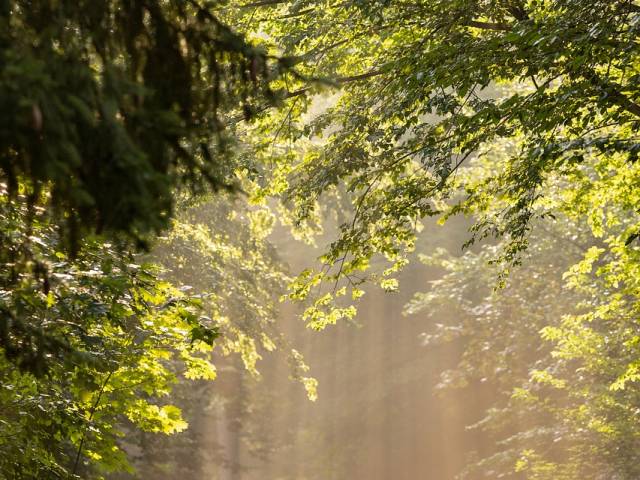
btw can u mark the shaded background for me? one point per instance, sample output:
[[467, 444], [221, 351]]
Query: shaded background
[[379, 415]]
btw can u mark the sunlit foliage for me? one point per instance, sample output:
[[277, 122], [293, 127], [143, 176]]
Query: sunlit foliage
[[86, 347], [543, 95], [558, 340], [522, 114], [421, 88]]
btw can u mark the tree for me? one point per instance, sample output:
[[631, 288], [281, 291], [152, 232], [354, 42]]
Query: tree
[[545, 93], [427, 86], [556, 342], [112, 111], [85, 349], [219, 250], [111, 106], [92, 351]]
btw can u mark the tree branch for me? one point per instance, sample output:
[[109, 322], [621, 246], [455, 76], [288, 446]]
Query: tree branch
[[612, 90], [91, 413], [632, 7], [264, 3], [296, 14], [356, 78], [501, 27]]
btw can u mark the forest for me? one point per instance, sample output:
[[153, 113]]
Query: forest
[[320, 240]]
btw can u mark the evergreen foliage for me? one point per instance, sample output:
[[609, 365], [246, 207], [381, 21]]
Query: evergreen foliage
[[111, 111], [109, 106]]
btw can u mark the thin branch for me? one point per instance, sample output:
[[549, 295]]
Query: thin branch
[[264, 3], [535, 83], [296, 14], [633, 7], [321, 51], [501, 27], [612, 91], [91, 413], [357, 78], [297, 93]]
